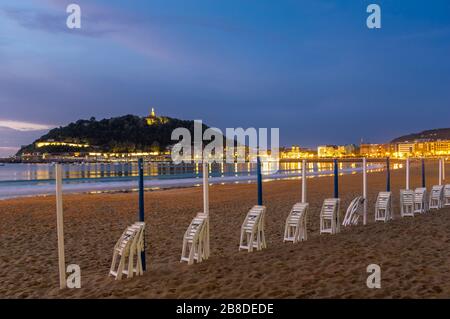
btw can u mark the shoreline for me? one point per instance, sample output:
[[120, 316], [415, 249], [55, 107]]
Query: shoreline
[[87, 186]]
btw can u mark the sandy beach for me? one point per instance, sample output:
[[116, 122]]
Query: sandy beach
[[414, 253]]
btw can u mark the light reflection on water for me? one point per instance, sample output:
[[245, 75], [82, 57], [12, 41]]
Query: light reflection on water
[[18, 180], [155, 170]]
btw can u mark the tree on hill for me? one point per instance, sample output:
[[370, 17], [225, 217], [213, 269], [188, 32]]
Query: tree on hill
[[127, 133]]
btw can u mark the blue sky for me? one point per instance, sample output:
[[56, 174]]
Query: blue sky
[[311, 68]]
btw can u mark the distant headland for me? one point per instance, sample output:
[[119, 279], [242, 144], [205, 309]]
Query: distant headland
[[129, 134]]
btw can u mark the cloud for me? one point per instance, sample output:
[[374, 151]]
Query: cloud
[[148, 35], [23, 126], [6, 151], [11, 140], [101, 22]]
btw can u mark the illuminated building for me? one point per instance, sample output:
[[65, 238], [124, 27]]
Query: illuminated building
[[331, 151], [152, 119], [423, 148], [405, 149], [440, 147], [53, 143], [418, 148], [374, 150], [296, 152], [327, 150], [350, 150]]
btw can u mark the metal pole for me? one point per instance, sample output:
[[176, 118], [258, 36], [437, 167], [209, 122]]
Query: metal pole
[[304, 181], [443, 168], [440, 172], [206, 202], [259, 180], [407, 174], [336, 179], [388, 175], [365, 190], [205, 188], [423, 173], [141, 205], [60, 227]]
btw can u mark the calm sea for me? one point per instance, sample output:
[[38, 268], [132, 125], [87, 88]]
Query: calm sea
[[17, 180]]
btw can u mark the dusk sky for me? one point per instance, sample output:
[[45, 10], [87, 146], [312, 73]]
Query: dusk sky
[[311, 68]]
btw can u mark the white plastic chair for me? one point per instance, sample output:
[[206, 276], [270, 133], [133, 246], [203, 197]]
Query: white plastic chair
[[329, 216], [295, 227], [383, 207], [420, 200], [407, 203], [354, 212], [252, 230], [437, 197]]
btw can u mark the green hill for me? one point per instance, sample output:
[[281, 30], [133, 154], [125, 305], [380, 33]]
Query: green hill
[[127, 133], [432, 135]]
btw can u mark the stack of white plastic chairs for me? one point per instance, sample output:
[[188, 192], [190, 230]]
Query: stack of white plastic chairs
[[420, 200], [407, 203], [437, 197], [383, 207], [252, 230], [196, 240], [447, 195], [329, 216], [127, 252], [354, 212], [295, 228]]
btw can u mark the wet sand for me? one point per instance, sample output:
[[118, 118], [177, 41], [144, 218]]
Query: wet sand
[[414, 253]]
